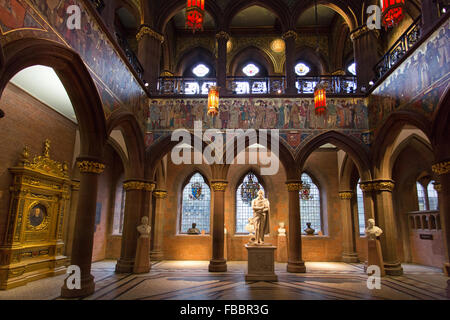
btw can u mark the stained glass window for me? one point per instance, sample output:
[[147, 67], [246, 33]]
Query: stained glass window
[[250, 70], [361, 216], [352, 69], [432, 196], [200, 70], [421, 197], [301, 69], [196, 204], [310, 208], [245, 193]]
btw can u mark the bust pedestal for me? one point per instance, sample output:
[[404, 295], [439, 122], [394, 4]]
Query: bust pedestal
[[374, 256], [142, 262], [261, 263]]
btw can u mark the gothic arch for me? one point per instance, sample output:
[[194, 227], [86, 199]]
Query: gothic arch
[[258, 55], [308, 54], [195, 55], [76, 79], [346, 143]]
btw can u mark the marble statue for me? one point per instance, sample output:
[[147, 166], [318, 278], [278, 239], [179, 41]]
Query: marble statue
[[261, 209], [281, 229], [194, 229], [144, 228], [250, 227], [372, 231]]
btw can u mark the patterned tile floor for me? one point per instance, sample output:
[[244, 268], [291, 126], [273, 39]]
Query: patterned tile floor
[[190, 280]]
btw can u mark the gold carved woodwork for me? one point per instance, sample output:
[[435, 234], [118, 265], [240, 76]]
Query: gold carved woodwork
[[441, 168], [87, 166], [148, 31], [345, 195], [294, 186], [219, 186], [138, 185], [362, 31], [438, 187], [160, 194], [40, 198]]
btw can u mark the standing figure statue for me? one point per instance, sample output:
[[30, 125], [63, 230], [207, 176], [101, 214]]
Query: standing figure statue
[[261, 209]]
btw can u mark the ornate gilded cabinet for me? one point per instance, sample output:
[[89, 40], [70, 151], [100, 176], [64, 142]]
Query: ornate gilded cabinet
[[33, 244]]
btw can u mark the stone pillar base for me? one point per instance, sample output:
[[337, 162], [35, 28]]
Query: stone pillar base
[[350, 257], [156, 255], [446, 269], [261, 263], [217, 265], [124, 266], [142, 262], [87, 288], [296, 267], [393, 269]]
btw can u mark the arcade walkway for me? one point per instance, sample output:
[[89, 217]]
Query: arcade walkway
[[190, 280]]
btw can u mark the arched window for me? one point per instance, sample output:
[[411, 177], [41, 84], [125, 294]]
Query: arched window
[[310, 205], [301, 69], [421, 197], [245, 193], [195, 204], [432, 196], [352, 68], [361, 216]]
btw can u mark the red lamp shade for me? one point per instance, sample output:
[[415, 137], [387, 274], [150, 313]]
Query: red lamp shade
[[195, 11], [392, 12], [320, 99], [213, 101]]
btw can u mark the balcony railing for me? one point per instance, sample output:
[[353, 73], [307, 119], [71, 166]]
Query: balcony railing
[[256, 86], [131, 56], [409, 38], [424, 220]]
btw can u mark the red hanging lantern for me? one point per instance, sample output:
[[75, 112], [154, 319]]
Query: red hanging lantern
[[320, 99], [195, 11], [213, 101], [392, 12]]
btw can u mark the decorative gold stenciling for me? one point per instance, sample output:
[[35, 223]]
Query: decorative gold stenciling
[[219, 186], [160, 194], [148, 31], [223, 35], [345, 195], [290, 33], [441, 168], [87, 166], [294, 186], [138, 185]]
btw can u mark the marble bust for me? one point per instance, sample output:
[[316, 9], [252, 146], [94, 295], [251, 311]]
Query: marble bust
[[372, 231], [144, 228], [261, 209], [281, 229], [194, 229]]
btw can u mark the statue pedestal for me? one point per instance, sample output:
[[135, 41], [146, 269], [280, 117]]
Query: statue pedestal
[[261, 263], [282, 254], [142, 261], [374, 256]]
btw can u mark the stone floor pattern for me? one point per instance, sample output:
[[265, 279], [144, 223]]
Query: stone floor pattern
[[190, 280]]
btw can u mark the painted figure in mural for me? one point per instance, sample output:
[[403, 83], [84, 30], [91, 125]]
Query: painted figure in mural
[[443, 50], [332, 114]]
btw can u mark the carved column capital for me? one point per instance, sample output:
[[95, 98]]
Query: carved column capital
[[294, 186], [145, 30], [346, 195], [160, 194], [289, 34], [219, 186], [75, 185], [377, 185], [359, 32], [437, 187], [90, 166], [223, 35], [138, 185], [441, 168]]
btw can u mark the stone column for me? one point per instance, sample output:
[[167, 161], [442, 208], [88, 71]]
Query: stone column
[[430, 14], [385, 218], [83, 240], [132, 218], [221, 69], [158, 238], [349, 253], [443, 170], [289, 38], [295, 262], [218, 262], [70, 223], [365, 47], [149, 54]]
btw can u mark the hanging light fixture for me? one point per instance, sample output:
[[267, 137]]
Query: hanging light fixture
[[392, 12], [213, 101], [320, 99], [195, 12]]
